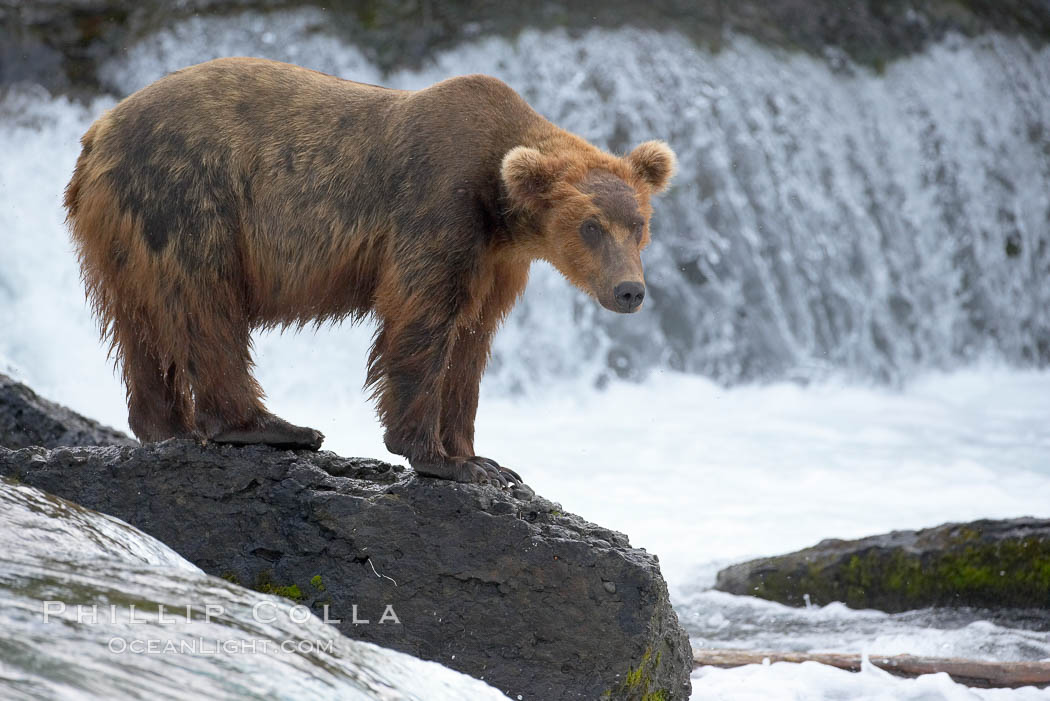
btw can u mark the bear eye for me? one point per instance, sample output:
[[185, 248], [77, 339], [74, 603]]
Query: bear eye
[[591, 231], [637, 228]]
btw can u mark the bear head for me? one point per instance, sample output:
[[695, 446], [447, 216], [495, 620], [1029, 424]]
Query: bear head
[[591, 212]]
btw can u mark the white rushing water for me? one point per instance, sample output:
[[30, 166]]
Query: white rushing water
[[844, 224], [92, 608]]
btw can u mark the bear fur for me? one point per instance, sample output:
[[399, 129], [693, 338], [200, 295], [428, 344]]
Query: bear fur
[[243, 193]]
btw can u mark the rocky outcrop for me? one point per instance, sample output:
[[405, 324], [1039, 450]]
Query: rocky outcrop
[[60, 44], [993, 564], [535, 601], [27, 419]]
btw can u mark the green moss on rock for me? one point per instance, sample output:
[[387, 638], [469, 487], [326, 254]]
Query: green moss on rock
[[265, 584], [948, 566], [637, 684]]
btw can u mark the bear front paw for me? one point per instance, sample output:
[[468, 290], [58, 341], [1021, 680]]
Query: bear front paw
[[475, 470]]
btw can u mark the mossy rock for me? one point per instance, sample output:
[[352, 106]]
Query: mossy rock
[[987, 564], [638, 684], [265, 584]]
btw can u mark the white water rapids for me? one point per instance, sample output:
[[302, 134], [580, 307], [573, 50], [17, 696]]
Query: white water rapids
[[829, 224]]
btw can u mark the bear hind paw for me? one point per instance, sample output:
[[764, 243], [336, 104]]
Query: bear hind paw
[[271, 430]]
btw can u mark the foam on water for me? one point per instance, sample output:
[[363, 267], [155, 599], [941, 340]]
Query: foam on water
[[827, 221], [809, 680]]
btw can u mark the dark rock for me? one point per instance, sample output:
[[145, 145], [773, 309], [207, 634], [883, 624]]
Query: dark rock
[[27, 419], [987, 564], [513, 592], [60, 44]]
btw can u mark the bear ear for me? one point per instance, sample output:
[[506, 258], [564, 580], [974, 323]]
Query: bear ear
[[654, 162], [529, 176]]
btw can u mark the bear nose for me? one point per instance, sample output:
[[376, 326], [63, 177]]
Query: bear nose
[[629, 296]]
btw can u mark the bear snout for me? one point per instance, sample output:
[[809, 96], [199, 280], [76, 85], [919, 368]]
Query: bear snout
[[629, 296]]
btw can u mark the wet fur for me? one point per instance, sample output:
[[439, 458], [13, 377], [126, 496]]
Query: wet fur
[[243, 194]]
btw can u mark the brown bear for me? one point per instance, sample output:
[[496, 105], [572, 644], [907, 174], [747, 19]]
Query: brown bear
[[244, 193]]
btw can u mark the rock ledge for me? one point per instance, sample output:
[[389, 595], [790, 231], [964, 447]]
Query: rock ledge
[[534, 601], [27, 419]]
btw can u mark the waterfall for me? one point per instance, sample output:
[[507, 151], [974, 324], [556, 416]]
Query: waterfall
[[826, 219]]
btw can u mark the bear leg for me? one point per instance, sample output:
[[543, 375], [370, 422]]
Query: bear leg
[[459, 396], [407, 367], [229, 404], [419, 366], [159, 404], [459, 403], [427, 360]]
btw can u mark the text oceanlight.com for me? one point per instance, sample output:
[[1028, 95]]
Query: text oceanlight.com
[[207, 646]]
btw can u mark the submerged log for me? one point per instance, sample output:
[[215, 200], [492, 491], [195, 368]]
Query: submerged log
[[977, 673]]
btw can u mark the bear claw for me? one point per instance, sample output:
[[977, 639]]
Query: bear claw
[[474, 470], [504, 471]]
